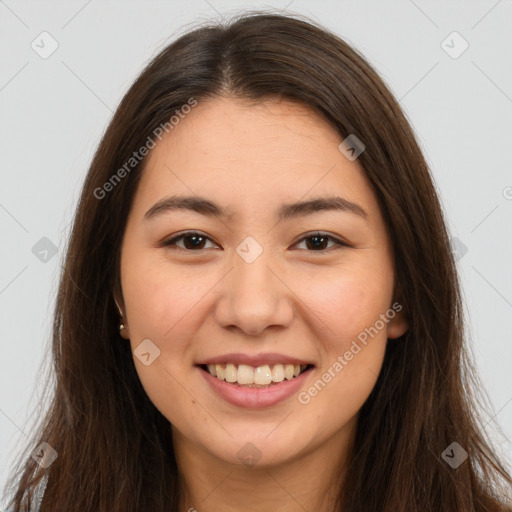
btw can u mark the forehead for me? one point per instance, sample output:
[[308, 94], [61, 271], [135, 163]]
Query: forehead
[[251, 157], [276, 132]]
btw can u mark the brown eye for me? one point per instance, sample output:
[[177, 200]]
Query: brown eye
[[317, 242], [195, 241], [191, 241]]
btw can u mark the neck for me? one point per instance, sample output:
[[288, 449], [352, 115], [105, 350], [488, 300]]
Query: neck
[[310, 481]]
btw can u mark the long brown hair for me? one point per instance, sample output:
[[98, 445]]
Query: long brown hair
[[115, 450]]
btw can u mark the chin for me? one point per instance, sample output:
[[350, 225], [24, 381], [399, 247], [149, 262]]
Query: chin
[[262, 448]]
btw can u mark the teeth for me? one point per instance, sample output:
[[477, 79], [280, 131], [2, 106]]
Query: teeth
[[231, 373], [278, 373], [220, 371], [261, 376], [245, 374]]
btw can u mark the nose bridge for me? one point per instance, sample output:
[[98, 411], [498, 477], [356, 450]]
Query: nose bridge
[[253, 284], [251, 274]]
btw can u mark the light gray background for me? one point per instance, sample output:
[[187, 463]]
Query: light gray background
[[54, 110]]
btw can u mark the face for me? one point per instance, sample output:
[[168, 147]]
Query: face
[[238, 283]]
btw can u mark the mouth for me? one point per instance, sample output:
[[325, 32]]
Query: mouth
[[264, 376]]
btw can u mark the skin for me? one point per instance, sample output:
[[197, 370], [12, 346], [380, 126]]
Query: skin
[[294, 299]]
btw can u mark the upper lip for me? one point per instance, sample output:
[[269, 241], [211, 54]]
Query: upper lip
[[254, 360]]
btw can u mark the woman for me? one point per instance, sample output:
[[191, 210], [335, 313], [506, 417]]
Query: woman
[[259, 308]]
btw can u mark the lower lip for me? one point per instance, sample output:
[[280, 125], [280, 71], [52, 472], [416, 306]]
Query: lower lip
[[255, 398]]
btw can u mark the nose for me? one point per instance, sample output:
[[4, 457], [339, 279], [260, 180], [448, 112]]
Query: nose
[[254, 297]]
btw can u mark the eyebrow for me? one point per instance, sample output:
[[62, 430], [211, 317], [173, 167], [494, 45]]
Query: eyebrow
[[286, 211]]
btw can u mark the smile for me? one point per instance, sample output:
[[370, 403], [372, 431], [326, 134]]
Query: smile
[[255, 377]]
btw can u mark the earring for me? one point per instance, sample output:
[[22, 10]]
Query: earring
[[122, 327], [123, 330]]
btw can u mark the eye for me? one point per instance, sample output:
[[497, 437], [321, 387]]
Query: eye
[[194, 240], [319, 239]]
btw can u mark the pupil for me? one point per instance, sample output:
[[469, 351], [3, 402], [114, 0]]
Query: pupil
[[317, 238], [197, 243]]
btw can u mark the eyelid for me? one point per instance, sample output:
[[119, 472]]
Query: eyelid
[[336, 239], [170, 241]]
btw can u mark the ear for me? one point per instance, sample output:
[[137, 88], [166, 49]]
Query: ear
[[119, 304], [398, 325], [118, 300], [125, 333]]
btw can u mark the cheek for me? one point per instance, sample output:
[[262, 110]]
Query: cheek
[[170, 393], [160, 298], [353, 341], [160, 307], [349, 302]]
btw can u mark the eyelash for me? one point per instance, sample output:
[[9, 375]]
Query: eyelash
[[172, 241]]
